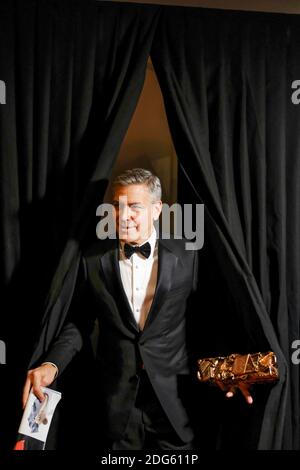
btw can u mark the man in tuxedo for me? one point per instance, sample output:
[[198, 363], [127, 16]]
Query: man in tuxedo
[[138, 286]]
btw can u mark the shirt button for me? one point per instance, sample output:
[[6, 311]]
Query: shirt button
[[137, 288], [137, 309], [136, 266]]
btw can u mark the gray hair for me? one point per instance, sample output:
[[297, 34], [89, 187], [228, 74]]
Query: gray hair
[[140, 176]]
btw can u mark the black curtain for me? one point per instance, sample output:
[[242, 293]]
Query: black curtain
[[73, 72], [226, 80]]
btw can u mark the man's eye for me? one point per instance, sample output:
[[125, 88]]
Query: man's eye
[[136, 206]]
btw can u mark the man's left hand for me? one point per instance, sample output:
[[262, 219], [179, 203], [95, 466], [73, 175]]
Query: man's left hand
[[245, 391]]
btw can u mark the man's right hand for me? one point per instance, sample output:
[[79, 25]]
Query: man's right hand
[[42, 376]]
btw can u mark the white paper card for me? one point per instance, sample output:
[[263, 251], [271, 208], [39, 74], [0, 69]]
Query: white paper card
[[38, 415]]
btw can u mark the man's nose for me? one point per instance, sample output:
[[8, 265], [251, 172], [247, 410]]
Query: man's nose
[[125, 213]]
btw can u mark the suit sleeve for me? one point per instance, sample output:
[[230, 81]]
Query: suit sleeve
[[78, 326]]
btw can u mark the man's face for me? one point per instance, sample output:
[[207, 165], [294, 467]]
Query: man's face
[[135, 212]]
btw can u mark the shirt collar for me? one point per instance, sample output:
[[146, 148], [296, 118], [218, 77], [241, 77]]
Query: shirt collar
[[151, 240]]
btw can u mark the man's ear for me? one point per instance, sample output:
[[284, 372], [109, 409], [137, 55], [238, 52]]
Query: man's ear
[[157, 208]]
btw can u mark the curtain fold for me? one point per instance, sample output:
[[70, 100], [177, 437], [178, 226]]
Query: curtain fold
[[74, 71], [226, 82]]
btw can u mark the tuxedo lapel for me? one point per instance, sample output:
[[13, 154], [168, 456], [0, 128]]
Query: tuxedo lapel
[[109, 262], [167, 262]]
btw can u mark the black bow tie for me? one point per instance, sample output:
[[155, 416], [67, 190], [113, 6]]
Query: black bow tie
[[145, 249]]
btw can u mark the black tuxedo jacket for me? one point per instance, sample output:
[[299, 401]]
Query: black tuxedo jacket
[[161, 348]]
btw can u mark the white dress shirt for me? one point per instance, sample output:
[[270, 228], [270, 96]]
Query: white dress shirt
[[139, 277]]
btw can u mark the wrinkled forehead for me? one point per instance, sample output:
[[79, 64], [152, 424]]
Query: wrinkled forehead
[[132, 193]]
